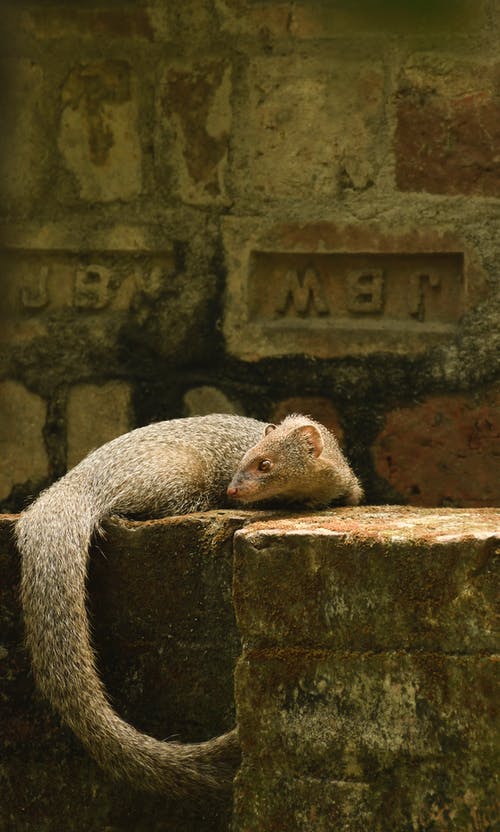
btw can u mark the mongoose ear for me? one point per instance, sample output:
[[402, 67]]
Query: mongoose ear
[[269, 428], [313, 436]]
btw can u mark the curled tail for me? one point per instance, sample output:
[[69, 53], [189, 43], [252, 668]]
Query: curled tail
[[53, 537]]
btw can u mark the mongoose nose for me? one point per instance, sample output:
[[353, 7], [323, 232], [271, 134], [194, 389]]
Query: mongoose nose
[[232, 491]]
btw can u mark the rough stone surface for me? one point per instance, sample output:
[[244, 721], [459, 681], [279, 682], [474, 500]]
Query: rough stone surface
[[96, 415], [22, 449], [371, 579], [366, 689], [444, 451], [163, 625]]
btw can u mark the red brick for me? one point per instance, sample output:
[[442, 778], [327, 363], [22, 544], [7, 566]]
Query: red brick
[[444, 451], [448, 130]]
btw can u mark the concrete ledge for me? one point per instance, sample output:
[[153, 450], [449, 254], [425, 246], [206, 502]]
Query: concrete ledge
[[365, 692]]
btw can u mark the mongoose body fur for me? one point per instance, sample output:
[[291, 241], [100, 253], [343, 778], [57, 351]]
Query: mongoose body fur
[[167, 468]]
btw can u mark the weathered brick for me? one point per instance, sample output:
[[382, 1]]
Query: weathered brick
[[124, 21], [324, 20], [444, 451], [129, 289], [99, 132], [370, 579], [448, 130], [368, 741], [194, 127], [329, 289], [23, 456], [288, 142], [281, 802], [96, 414], [199, 401]]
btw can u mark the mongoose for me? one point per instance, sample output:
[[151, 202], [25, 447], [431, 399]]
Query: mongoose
[[171, 467]]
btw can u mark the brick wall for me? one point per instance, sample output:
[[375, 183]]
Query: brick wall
[[219, 205]]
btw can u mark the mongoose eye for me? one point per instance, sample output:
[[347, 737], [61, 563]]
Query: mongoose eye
[[265, 465]]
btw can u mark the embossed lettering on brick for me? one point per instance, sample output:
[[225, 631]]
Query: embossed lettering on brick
[[92, 287], [374, 291], [326, 289], [38, 285]]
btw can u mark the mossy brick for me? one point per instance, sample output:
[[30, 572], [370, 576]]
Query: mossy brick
[[100, 309], [365, 738], [279, 802], [24, 167], [120, 22], [354, 715], [371, 578]]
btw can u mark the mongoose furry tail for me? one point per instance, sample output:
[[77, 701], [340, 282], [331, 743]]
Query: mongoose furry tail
[[166, 468]]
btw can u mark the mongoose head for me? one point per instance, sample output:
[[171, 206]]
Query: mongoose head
[[291, 464]]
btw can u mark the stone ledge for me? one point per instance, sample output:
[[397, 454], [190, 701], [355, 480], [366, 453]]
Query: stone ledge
[[365, 691], [371, 578]]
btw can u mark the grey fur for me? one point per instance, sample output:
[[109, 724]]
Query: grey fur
[[166, 468]]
